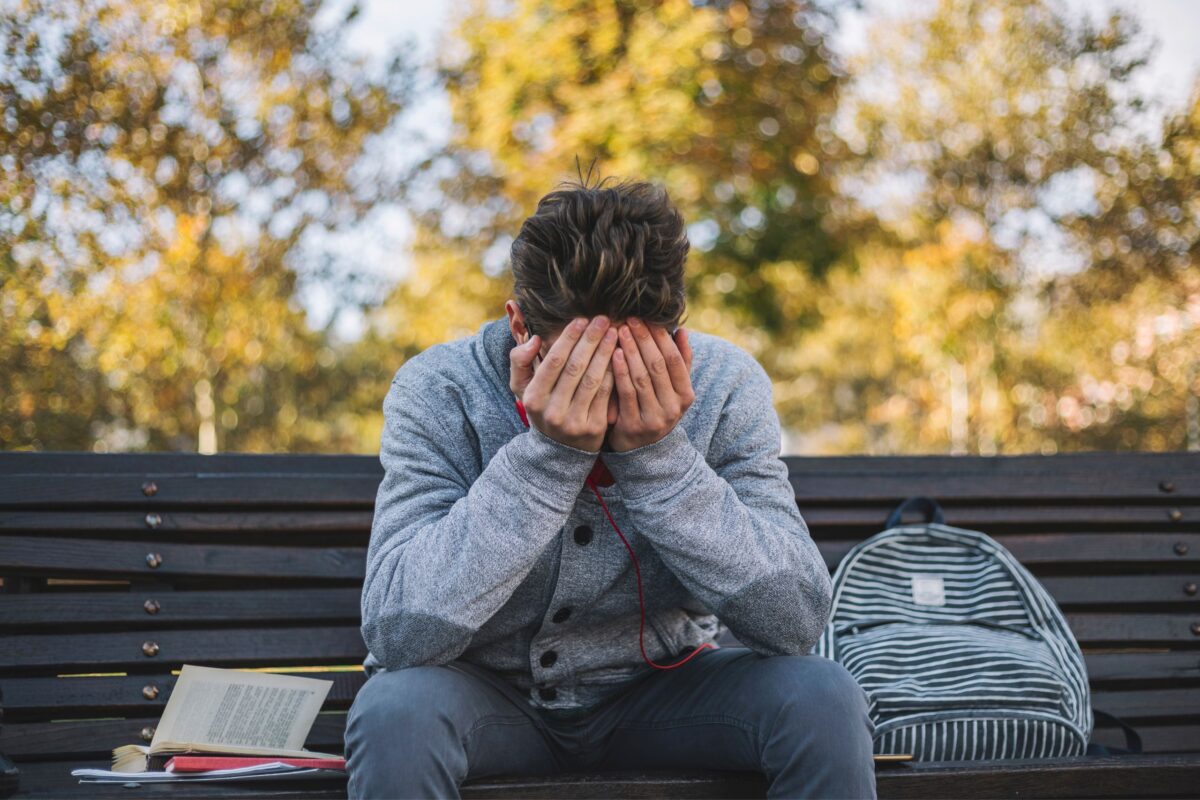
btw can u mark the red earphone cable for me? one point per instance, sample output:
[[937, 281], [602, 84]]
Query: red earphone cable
[[636, 569], [638, 572]]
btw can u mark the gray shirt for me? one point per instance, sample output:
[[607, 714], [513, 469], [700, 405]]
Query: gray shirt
[[488, 547]]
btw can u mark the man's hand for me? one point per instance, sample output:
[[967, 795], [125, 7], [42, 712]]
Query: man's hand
[[654, 384], [567, 396]]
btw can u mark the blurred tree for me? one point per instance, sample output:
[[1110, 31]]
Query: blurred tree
[[993, 123], [727, 104], [1124, 339], [161, 164], [910, 350], [962, 240]]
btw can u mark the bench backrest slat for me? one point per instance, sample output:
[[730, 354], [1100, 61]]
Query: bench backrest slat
[[127, 610], [99, 558], [262, 560]]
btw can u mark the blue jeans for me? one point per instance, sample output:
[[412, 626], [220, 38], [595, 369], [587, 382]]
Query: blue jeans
[[801, 721]]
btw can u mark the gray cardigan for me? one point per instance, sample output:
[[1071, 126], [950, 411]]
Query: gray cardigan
[[487, 546]]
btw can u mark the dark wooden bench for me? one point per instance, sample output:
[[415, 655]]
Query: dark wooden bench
[[126, 566]]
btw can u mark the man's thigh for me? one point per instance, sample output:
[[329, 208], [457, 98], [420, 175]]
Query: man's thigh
[[440, 718], [727, 709]]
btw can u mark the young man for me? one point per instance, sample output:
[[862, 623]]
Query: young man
[[501, 607]]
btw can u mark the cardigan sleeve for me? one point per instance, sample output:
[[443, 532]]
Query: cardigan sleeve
[[448, 548], [728, 526]]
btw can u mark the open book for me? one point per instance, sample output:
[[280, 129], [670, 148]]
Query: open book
[[233, 712]]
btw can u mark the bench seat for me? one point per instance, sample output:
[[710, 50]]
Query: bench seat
[[1162, 776], [255, 561]]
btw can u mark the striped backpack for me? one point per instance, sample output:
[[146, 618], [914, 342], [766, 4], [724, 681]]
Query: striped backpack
[[961, 652]]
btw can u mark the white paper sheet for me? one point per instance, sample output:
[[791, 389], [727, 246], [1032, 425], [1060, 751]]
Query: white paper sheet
[[274, 769], [240, 710]]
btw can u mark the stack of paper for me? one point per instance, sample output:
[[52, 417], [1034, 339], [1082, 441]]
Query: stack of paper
[[274, 770]]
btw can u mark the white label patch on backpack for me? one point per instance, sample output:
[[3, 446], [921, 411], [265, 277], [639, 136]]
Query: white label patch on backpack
[[928, 590]]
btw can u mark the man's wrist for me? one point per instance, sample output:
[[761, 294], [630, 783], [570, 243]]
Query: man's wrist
[[652, 468], [546, 464]]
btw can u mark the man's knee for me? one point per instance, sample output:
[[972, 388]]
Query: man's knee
[[819, 734], [404, 734], [398, 700], [814, 691]]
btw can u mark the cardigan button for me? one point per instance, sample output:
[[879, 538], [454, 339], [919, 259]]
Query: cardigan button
[[583, 535], [564, 612], [548, 658], [547, 692]]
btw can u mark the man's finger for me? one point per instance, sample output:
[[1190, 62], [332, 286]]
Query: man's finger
[[677, 368], [546, 375], [523, 354], [646, 397], [599, 407], [652, 359], [626, 393], [685, 347], [562, 396], [597, 370], [614, 402], [520, 360]]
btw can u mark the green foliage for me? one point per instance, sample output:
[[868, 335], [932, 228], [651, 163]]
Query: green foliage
[[728, 105], [958, 241], [1019, 125], [160, 163]]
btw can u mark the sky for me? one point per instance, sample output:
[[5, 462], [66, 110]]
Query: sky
[[384, 25]]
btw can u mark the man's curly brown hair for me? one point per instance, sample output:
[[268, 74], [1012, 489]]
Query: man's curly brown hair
[[617, 250]]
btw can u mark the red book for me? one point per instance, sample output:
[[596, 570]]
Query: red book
[[205, 763]]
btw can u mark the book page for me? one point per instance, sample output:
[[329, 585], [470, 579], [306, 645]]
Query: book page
[[236, 710]]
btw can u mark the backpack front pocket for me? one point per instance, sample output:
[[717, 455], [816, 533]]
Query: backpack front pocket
[[910, 668]]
